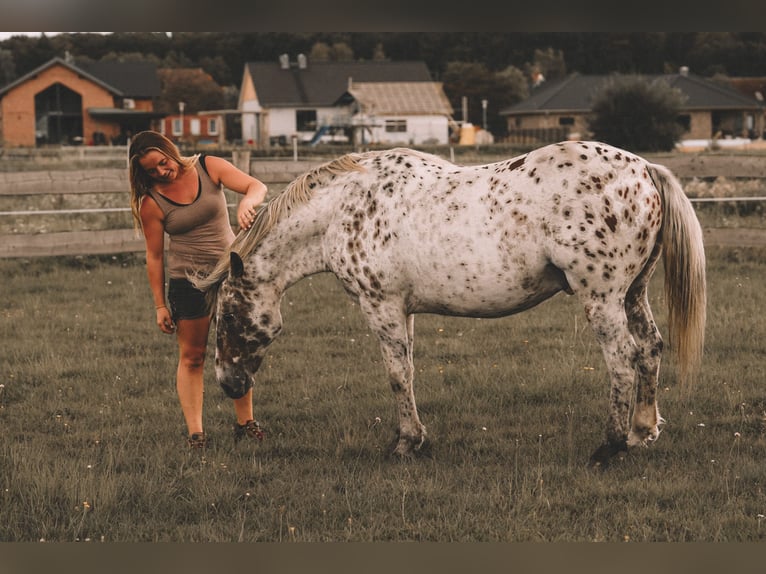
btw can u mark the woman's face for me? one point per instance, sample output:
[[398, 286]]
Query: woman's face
[[159, 167]]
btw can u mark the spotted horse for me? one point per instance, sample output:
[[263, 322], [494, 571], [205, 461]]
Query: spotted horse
[[407, 232]]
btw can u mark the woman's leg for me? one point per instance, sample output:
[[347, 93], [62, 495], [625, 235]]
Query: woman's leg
[[192, 345], [243, 408]]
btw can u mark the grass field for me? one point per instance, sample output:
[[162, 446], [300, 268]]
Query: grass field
[[93, 438]]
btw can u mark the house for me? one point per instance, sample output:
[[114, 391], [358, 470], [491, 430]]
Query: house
[[398, 113], [559, 110], [312, 101], [62, 102], [205, 127], [752, 87], [186, 95]]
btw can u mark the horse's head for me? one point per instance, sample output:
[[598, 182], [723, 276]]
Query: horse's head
[[247, 320]]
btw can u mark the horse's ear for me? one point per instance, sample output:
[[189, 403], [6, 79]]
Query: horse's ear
[[237, 266]]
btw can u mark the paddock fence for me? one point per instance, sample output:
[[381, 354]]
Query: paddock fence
[[21, 196]]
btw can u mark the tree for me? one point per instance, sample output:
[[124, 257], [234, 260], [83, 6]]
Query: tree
[[476, 82], [637, 114], [339, 51], [7, 67], [190, 85], [549, 62]]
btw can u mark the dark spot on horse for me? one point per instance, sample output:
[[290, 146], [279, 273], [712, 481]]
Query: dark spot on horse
[[611, 221], [516, 164]]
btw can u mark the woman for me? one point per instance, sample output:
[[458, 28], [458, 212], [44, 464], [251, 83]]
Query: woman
[[183, 197]]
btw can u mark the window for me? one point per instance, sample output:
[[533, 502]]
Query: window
[[195, 127], [212, 126], [397, 126], [177, 131], [685, 121], [566, 121], [305, 120]]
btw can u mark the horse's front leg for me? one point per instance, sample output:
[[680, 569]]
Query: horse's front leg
[[395, 332]]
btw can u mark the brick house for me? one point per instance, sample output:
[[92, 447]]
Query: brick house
[[559, 110], [62, 102], [204, 128], [186, 121]]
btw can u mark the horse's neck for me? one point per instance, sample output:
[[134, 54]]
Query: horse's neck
[[290, 252]]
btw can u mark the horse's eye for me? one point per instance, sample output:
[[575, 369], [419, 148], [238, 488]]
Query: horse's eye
[[227, 317]]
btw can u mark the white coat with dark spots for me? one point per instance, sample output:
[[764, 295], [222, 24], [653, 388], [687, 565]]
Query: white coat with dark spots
[[407, 232]]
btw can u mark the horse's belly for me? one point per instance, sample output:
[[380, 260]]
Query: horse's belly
[[489, 295]]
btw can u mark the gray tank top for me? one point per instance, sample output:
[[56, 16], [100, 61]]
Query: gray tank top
[[200, 232]]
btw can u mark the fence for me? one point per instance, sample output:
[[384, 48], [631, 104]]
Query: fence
[[102, 181], [270, 171]]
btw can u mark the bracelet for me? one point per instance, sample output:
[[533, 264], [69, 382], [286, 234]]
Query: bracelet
[[161, 306]]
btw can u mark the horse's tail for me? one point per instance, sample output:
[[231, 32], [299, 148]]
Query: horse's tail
[[685, 284]]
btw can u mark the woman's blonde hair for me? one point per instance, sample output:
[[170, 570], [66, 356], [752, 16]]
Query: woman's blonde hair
[[140, 181]]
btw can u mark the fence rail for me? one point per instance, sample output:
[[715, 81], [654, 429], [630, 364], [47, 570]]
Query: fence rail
[[281, 171]]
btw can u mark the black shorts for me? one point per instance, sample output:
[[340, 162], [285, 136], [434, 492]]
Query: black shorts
[[186, 301]]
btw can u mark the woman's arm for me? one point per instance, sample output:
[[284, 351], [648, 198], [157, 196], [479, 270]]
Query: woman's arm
[[224, 172], [154, 236]]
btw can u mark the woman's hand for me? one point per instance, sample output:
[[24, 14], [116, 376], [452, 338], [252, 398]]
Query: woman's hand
[[165, 321], [246, 211], [254, 191]]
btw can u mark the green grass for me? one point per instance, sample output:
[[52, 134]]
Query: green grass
[[93, 438]]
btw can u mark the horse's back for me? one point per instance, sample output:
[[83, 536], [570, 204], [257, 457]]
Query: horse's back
[[496, 238]]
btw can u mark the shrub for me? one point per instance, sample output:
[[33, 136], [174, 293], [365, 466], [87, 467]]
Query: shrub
[[637, 114]]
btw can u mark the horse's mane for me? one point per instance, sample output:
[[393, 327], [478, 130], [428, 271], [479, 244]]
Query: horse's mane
[[299, 191]]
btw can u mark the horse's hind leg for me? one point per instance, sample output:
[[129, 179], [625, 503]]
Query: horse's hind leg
[[646, 417], [610, 325]]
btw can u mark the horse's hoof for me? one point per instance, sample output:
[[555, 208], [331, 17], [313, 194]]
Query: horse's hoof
[[406, 447], [606, 452], [644, 436]]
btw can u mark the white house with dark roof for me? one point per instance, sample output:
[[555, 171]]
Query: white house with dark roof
[[399, 113], [375, 101]]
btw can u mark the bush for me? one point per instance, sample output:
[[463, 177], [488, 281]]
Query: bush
[[637, 114]]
